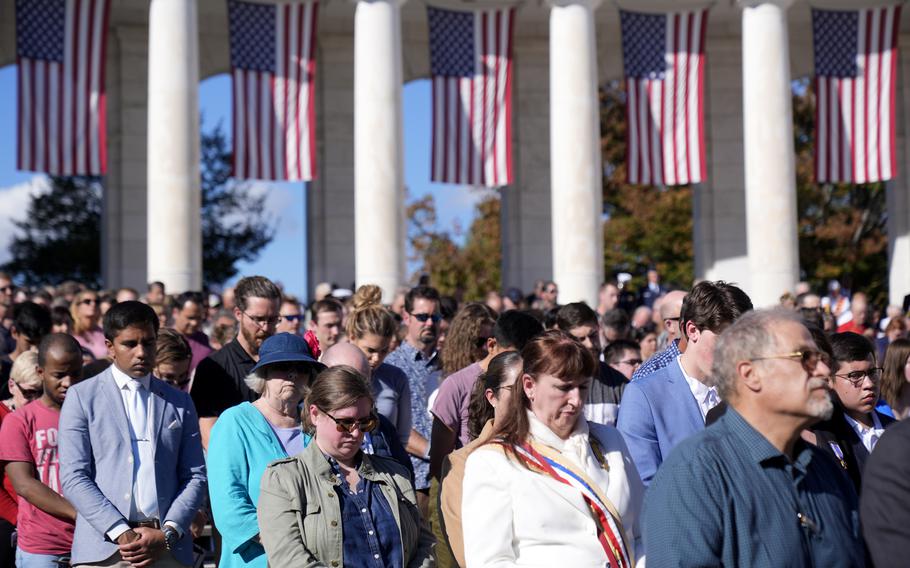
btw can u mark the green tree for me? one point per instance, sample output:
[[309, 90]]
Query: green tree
[[60, 237], [842, 227], [645, 225], [469, 271]]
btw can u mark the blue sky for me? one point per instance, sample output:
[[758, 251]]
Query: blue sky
[[281, 260]]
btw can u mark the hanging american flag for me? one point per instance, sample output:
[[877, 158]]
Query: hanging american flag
[[664, 61], [273, 68], [60, 59], [855, 80], [471, 67]]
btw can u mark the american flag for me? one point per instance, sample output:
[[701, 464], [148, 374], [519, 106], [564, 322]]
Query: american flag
[[855, 80], [664, 61], [471, 67], [60, 55], [273, 68]]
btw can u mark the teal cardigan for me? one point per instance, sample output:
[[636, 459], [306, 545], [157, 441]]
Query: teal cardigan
[[241, 445]]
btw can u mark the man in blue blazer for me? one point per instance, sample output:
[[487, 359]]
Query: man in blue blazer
[[663, 409], [131, 460]]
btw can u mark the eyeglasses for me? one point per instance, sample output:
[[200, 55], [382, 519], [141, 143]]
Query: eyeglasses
[[856, 378], [365, 425], [632, 362], [809, 358], [262, 321], [291, 318], [88, 301], [422, 318]]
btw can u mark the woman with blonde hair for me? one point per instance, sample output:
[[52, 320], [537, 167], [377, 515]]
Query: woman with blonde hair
[[86, 313], [551, 488], [895, 376], [371, 326], [333, 504], [25, 384]]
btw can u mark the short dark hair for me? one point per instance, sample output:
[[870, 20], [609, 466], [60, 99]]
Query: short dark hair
[[189, 296], [515, 328], [255, 287], [617, 319], [63, 341], [849, 346], [448, 307], [713, 306], [32, 320], [419, 292], [327, 304], [614, 350], [575, 315], [156, 284], [61, 315], [128, 314]]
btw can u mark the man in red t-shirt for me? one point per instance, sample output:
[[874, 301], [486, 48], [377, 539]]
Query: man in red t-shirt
[[28, 446]]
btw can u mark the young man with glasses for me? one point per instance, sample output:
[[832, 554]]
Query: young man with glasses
[[855, 427], [623, 355], [219, 380]]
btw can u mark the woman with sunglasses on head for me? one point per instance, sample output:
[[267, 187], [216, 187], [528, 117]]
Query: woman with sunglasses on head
[[247, 437], [25, 384], [86, 314], [551, 488], [334, 505], [172, 359]]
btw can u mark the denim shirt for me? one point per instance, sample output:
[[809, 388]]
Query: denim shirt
[[423, 376], [370, 536]]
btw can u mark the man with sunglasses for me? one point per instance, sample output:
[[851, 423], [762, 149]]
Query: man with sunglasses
[[854, 429], [415, 357], [289, 316], [219, 380]]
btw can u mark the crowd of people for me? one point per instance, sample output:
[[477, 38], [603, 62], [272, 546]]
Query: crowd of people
[[661, 428]]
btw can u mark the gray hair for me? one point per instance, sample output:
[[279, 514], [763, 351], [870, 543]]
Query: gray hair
[[255, 381], [750, 336]]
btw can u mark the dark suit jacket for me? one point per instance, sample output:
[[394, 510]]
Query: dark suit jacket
[[837, 431], [884, 509]]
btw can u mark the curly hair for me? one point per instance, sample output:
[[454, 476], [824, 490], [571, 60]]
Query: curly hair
[[368, 315], [462, 342]]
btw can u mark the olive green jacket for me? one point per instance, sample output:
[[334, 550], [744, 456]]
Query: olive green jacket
[[300, 516]]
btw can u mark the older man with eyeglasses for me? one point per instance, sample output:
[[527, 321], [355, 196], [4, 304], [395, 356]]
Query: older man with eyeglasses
[[749, 491], [855, 428]]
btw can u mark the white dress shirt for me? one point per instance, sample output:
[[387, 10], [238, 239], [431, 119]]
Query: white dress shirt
[[705, 396], [869, 436]]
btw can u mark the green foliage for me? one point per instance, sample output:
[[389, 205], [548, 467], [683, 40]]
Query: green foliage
[[235, 225], [58, 239], [646, 225], [842, 227], [467, 272]]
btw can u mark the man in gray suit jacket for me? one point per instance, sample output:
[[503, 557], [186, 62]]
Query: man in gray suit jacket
[[131, 459]]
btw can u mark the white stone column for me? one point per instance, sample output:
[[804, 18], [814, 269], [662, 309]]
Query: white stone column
[[769, 155], [174, 199], [898, 204], [378, 154], [575, 163]]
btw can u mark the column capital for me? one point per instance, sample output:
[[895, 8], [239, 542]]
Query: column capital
[[398, 3], [592, 4], [785, 4]]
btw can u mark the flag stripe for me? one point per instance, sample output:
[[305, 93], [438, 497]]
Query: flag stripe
[[273, 70], [664, 68], [472, 83], [856, 65]]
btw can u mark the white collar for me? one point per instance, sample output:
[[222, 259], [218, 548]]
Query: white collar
[[862, 429], [699, 389], [542, 433], [122, 379]]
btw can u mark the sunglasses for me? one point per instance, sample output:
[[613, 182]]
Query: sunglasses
[[292, 318], [29, 394], [365, 425], [9, 289], [631, 362], [422, 318], [88, 301]]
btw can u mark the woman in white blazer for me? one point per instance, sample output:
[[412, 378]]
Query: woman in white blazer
[[551, 489]]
